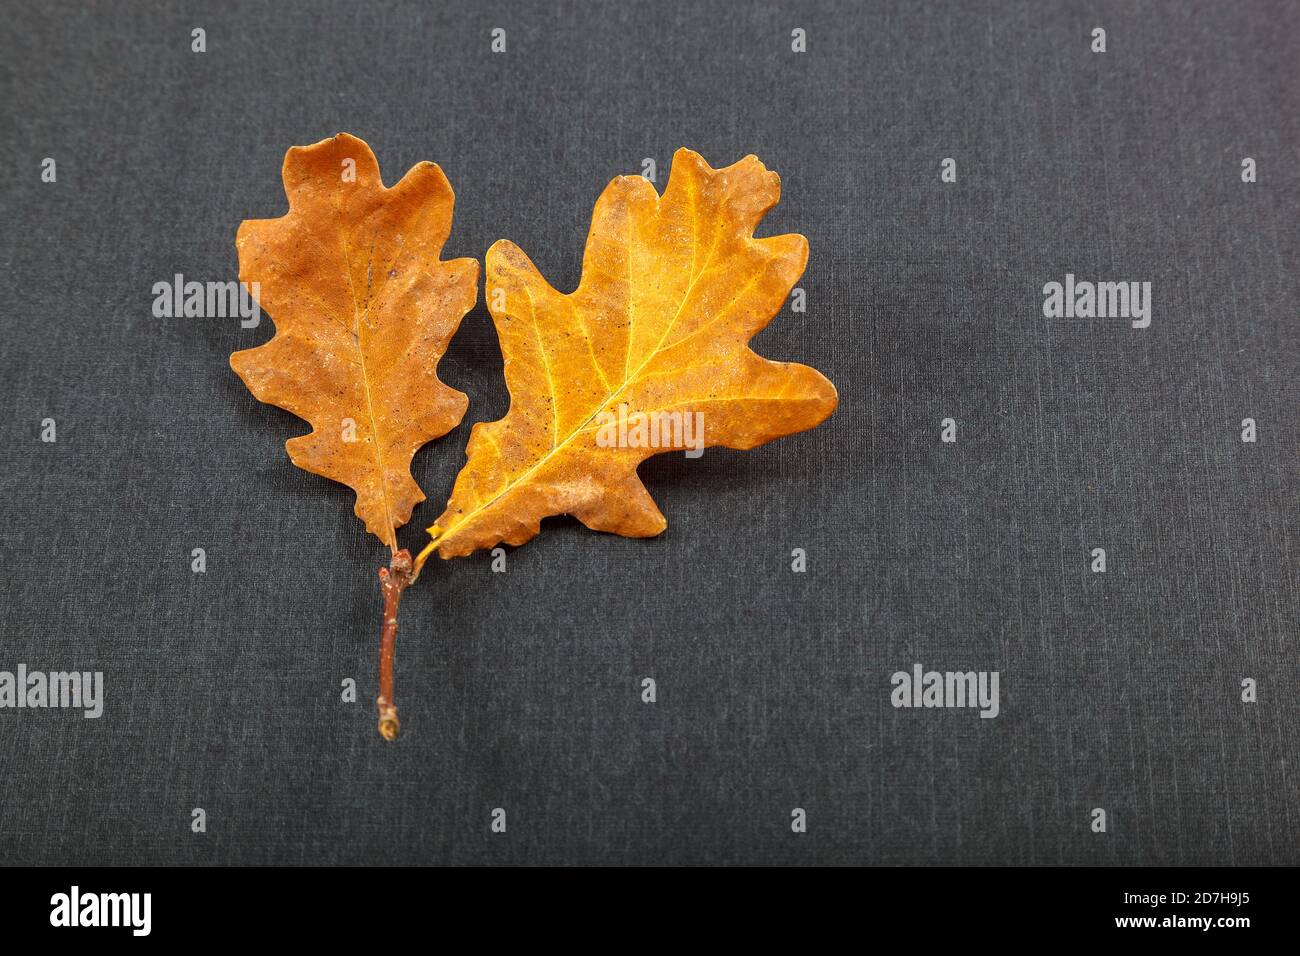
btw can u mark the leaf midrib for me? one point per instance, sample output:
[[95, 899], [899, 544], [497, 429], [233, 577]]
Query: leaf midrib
[[358, 317]]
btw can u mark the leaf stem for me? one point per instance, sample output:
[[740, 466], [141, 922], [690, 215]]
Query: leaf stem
[[435, 534], [393, 580]]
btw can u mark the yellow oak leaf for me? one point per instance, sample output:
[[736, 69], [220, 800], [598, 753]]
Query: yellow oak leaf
[[363, 309], [657, 332]]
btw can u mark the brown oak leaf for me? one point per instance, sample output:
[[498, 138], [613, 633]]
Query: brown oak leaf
[[672, 290], [363, 309]]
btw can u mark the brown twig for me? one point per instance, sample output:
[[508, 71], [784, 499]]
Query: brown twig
[[393, 580]]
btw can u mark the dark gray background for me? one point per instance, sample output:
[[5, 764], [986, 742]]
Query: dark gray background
[[522, 690]]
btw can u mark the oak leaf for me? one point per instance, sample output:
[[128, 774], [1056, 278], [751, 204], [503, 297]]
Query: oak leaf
[[672, 290], [363, 309]]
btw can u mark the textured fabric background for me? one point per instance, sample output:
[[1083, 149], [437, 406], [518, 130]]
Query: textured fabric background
[[521, 690]]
